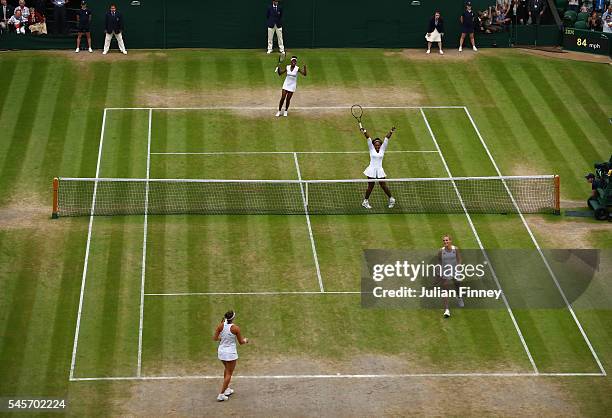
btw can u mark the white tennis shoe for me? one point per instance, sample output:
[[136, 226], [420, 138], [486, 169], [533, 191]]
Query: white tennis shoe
[[278, 113], [76, 50], [460, 49], [391, 202], [428, 51], [446, 315], [285, 113], [475, 49], [441, 52], [222, 397], [366, 204], [90, 50], [228, 391]]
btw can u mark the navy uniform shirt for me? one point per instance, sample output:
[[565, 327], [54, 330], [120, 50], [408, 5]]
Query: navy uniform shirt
[[468, 19], [84, 16]]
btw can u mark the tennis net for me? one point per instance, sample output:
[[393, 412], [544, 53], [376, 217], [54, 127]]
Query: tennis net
[[115, 196]]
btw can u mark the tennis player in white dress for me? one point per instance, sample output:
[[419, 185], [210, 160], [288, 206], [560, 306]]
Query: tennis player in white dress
[[375, 170], [449, 255], [290, 85], [228, 333]]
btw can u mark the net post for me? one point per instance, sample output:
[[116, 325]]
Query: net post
[[55, 213], [557, 195]]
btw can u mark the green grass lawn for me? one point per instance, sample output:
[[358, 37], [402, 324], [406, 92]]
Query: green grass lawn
[[537, 115]]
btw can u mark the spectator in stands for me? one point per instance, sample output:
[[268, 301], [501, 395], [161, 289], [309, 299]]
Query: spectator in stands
[[516, 12], [114, 27], [573, 5], [536, 10], [594, 23], [36, 22], [59, 16], [501, 17], [607, 20], [83, 22], [275, 25], [599, 6], [586, 6], [6, 12], [467, 26], [18, 22], [435, 31], [25, 11]]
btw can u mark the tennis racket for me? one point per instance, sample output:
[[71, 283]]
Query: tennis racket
[[281, 59], [357, 112]]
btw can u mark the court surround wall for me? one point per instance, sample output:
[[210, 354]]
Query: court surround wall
[[242, 24]]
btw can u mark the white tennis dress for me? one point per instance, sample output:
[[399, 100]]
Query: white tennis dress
[[375, 169], [449, 258], [227, 345], [290, 83]]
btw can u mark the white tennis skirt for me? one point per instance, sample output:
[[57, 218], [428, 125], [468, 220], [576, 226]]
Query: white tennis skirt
[[375, 173], [227, 355], [435, 36]]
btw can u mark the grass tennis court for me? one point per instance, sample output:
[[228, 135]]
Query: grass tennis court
[[153, 288]]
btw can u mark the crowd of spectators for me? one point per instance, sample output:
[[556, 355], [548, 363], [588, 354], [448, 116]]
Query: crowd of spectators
[[531, 12], [600, 20], [21, 18]]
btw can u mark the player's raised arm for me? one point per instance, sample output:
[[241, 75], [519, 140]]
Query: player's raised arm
[[391, 132], [365, 133], [303, 70]]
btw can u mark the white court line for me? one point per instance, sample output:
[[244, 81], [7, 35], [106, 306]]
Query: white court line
[[469, 218], [273, 293], [312, 242], [287, 152], [345, 376], [537, 245], [87, 248], [144, 249], [346, 107]]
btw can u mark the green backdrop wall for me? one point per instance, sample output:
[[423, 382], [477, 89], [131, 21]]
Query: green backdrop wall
[[242, 24]]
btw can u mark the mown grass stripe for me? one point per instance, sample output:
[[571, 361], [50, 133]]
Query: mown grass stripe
[[528, 115], [23, 128], [20, 316], [93, 125], [562, 114], [589, 104]]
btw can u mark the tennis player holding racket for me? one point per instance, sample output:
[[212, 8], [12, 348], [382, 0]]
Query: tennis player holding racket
[[290, 83], [375, 169], [227, 333]]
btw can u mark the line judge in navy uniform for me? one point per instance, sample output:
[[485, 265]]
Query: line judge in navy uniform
[[275, 25], [467, 26], [114, 27]]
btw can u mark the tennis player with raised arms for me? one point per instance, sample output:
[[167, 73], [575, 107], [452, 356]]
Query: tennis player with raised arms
[[227, 333], [375, 170], [292, 70]]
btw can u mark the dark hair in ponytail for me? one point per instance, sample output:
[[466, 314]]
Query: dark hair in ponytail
[[229, 316]]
